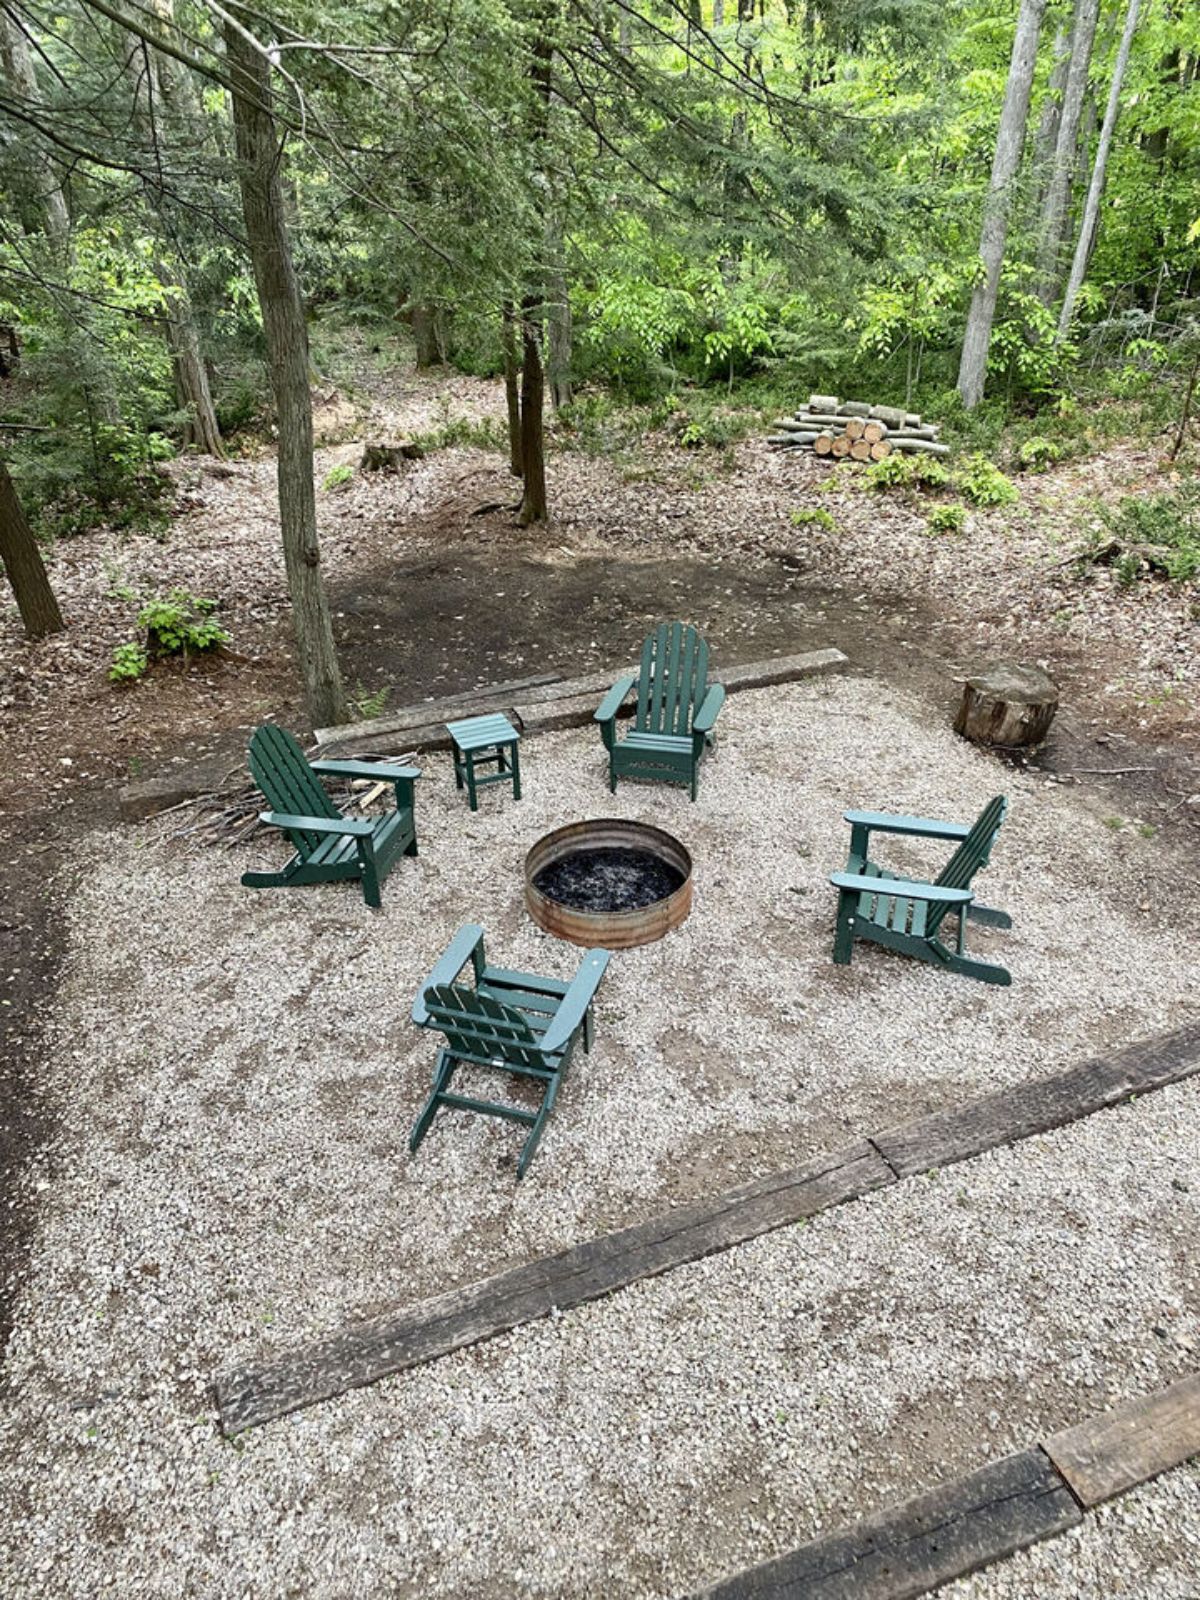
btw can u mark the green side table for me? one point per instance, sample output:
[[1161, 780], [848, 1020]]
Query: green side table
[[482, 740]]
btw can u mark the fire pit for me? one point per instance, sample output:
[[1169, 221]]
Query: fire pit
[[609, 883]]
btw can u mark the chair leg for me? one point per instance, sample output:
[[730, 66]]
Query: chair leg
[[843, 938], [529, 1149], [612, 775], [589, 1031], [441, 1079], [988, 917], [985, 971]]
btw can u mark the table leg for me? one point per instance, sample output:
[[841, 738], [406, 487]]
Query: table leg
[[471, 781], [516, 770]]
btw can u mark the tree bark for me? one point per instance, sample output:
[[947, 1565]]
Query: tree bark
[[533, 451], [24, 565], [1091, 208], [425, 335], [1046, 139], [1010, 141], [188, 366], [1053, 221], [558, 322], [44, 199], [512, 390], [260, 156]]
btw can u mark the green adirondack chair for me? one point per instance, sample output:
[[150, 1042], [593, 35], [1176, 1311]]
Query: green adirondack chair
[[329, 847], [676, 710], [906, 915], [512, 1021]]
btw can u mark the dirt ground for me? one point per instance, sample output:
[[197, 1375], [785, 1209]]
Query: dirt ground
[[432, 596]]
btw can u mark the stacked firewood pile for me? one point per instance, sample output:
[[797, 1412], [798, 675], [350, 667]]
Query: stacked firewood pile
[[854, 428]]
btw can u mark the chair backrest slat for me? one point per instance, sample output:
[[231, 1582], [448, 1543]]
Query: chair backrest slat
[[672, 680], [477, 1025], [282, 772], [971, 856]]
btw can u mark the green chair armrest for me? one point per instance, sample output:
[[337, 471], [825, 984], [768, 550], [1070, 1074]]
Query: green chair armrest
[[576, 1001], [707, 714], [347, 826], [918, 827], [453, 959], [898, 888], [611, 703], [364, 769]]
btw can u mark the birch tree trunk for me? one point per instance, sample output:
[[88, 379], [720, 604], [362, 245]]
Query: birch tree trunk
[[1010, 141], [1091, 208], [259, 160], [24, 565], [1053, 222]]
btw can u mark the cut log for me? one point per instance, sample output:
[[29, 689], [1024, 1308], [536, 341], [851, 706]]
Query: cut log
[[860, 450], [894, 416], [912, 419], [1007, 705], [823, 444], [792, 441], [823, 402], [389, 457], [873, 431], [841, 445], [927, 432], [880, 449], [810, 419], [854, 427], [926, 447], [801, 423], [854, 408]]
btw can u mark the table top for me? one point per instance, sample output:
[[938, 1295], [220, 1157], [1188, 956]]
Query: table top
[[472, 733]]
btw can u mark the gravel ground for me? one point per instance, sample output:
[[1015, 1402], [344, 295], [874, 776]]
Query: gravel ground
[[235, 1077], [1145, 1546]]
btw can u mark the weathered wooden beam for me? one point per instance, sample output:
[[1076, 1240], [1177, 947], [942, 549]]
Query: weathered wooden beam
[[481, 1310], [1028, 1108], [426, 711], [911, 1548], [1106, 1455]]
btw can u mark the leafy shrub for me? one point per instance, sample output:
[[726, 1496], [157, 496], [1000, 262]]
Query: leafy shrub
[[704, 432], [813, 517], [181, 624], [983, 483], [336, 476], [901, 471], [1038, 453], [1155, 532], [947, 519], [129, 662]]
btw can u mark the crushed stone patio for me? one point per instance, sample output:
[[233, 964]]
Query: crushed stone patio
[[235, 1076]]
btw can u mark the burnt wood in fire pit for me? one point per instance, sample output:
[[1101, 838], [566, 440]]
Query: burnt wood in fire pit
[[608, 882]]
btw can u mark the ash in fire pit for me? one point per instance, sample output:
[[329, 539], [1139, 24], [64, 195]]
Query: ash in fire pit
[[614, 879], [608, 883]]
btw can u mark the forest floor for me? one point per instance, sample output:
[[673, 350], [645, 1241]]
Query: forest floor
[[433, 593]]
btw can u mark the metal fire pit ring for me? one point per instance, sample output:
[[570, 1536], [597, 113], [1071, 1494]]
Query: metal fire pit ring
[[610, 929]]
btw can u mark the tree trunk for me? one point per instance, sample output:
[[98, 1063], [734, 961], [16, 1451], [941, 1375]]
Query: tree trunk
[[24, 565], [1053, 222], [558, 323], [718, 14], [259, 158], [425, 335], [187, 363], [1010, 140], [44, 200], [533, 451], [512, 390], [1046, 139], [1091, 209]]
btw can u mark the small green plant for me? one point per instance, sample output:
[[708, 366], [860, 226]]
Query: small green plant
[[1038, 454], [1115, 823], [1154, 532], [336, 476], [947, 519], [129, 662], [368, 703], [983, 483], [899, 471], [181, 624], [813, 517]]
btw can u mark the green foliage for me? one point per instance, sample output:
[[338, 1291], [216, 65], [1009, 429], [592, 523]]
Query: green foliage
[[1154, 533], [337, 476], [180, 623], [947, 519], [129, 662], [368, 703], [1038, 454], [900, 471], [813, 517], [983, 483], [486, 434]]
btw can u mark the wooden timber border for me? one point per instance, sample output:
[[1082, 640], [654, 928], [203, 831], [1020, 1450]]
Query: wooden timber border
[[984, 1516], [397, 1340], [541, 704]]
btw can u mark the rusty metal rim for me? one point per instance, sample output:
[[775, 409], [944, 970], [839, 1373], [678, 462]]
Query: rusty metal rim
[[615, 930]]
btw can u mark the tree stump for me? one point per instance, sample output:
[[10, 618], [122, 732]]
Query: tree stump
[[389, 457], [1007, 705]]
